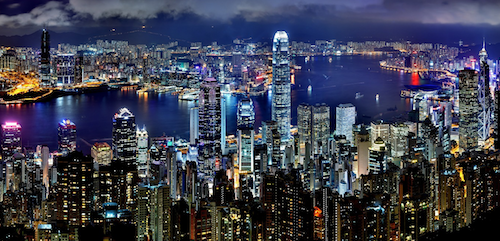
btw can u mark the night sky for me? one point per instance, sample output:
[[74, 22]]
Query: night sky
[[224, 20]]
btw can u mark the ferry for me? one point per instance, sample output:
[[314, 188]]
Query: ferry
[[189, 96], [407, 94]]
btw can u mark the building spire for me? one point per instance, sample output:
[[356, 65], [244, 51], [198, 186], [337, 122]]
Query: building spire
[[483, 55]]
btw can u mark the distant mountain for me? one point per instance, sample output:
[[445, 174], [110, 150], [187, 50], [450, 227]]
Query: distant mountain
[[33, 40], [133, 37]]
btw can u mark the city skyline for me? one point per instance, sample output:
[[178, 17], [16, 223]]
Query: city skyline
[[295, 140]]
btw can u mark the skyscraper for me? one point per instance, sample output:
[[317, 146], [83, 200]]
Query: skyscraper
[[245, 114], [304, 115], [102, 154], [124, 137], [193, 125], [484, 96], [468, 131], [209, 113], [65, 69], [66, 133], [142, 152], [245, 123], [269, 130], [153, 212], [281, 99], [45, 59], [314, 127], [74, 173], [79, 67], [345, 118], [399, 139], [321, 128], [11, 139]]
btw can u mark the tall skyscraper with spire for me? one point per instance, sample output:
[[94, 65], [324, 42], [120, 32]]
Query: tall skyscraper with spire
[[483, 55], [484, 96], [281, 106], [45, 59]]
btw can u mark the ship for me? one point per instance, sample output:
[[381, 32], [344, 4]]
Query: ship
[[376, 96], [407, 93], [189, 95], [309, 88]]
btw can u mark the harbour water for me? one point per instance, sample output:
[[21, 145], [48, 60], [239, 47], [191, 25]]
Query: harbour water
[[332, 82]]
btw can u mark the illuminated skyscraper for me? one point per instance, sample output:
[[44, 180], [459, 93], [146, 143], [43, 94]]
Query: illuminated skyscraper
[[209, 113], [124, 137], [237, 62], [142, 152], [246, 114], [102, 154], [314, 126], [45, 59], [346, 117], [66, 133], [485, 100], [79, 67], [153, 212], [65, 69], [379, 129], [377, 162], [468, 131], [281, 99], [245, 123], [11, 139], [399, 139], [74, 172], [321, 128], [304, 115], [193, 125]]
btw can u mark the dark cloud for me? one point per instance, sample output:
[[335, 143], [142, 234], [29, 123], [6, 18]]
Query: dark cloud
[[82, 12], [52, 13]]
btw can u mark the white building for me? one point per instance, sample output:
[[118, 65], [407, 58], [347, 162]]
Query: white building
[[345, 118]]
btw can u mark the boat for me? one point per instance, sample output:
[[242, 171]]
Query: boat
[[359, 95], [376, 97], [407, 93], [189, 96], [309, 88]]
